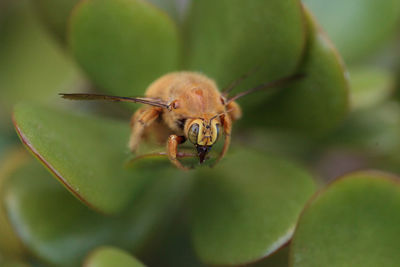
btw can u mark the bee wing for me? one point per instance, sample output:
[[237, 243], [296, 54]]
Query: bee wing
[[143, 100], [277, 83]]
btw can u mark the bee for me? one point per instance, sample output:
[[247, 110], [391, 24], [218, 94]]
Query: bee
[[182, 106]]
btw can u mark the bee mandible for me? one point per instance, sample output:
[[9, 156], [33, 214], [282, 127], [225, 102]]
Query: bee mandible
[[182, 106]]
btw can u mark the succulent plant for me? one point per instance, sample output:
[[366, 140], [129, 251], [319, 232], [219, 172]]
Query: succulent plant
[[274, 200]]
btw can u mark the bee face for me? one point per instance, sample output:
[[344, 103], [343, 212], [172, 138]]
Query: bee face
[[203, 134]]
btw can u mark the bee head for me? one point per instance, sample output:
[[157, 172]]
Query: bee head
[[203, 134]]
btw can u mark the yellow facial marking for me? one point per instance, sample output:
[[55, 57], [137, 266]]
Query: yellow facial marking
[[203, 133]]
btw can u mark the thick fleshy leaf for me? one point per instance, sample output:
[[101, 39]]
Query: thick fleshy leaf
[[375, 130], [368, 138], [318, 102], [3, 143], [110, 257], [277, 142], [353, 222], [371, 137], [278, 259], [10, 244], [55, 14], [58, 229], [370, 86], [176, 9], [85, 153], [226, 39], [32, 66], [123, 45], [247, 207], [358, 27], [4, 7], [176, 248], [13, 263], [7, 136], [397, 91]]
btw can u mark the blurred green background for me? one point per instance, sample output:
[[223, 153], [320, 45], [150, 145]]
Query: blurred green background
[[342, 118]]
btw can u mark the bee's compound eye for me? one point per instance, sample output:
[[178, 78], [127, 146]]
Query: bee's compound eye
[[218, 127], [193, 133]]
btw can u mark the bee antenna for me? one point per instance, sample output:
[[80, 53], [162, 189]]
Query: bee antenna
[[216, 116], [277, 83], [234, 83], [222, 113]]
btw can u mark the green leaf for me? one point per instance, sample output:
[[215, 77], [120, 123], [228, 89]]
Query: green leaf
[[55, 14], [86, 154], [123, 45], [7, 136], [227, 38], [372, 136], [109, 257], [358, 28], [317, 103], [13, 263], [370, 86], [10, 244], [247, 207], [374, 131], [58, 229], [175, 248], [32, 66], [287, 144], [353, 222], [31, 196], [279, 259], [176, 9]]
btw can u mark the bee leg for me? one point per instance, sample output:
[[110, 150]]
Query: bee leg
[[142, 118], [234, 113], [227, 125], [172, 150]]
